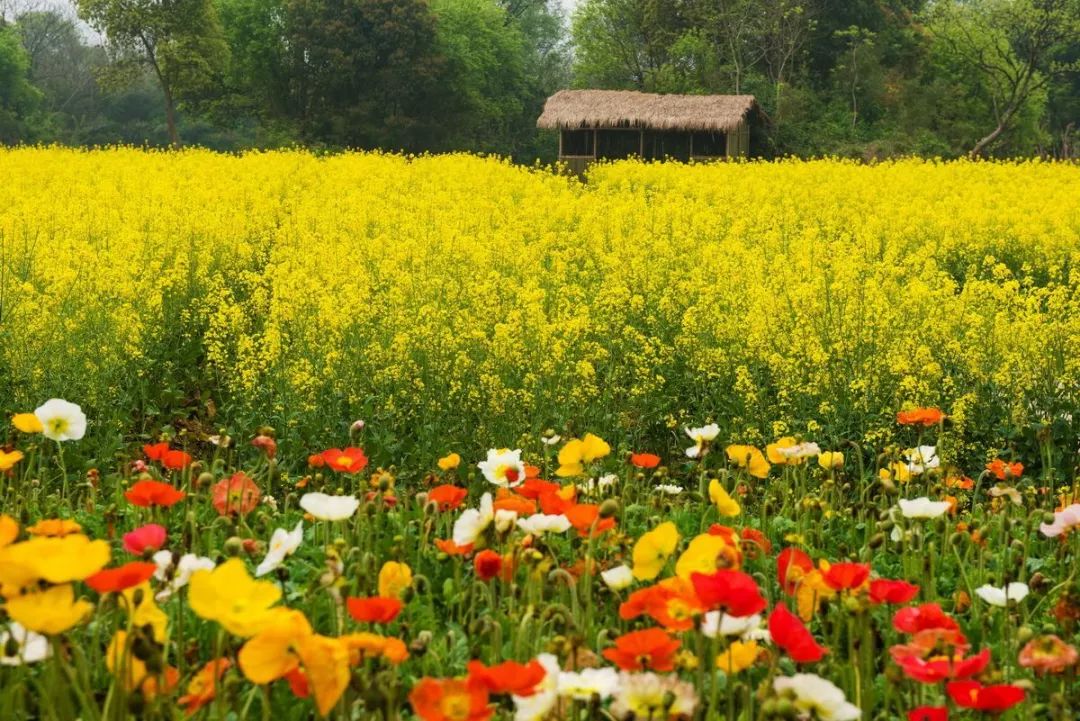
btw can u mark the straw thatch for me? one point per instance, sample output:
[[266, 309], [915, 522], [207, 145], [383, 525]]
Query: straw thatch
[[569, 109]]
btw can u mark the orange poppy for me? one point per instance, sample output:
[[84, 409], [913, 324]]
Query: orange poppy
[[534, 488], [672, 603], [507, 500], [374, 609], [450, 700], [348, 460], [558, 502], [153, 493], [54, 527], [236, 495], [585, 517], [652, 649], [644, 460], [452, 549], [447, 497], [920, 416], [202, 688], [1005, 471], [508, 677]]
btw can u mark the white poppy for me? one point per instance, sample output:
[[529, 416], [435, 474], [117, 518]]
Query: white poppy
[[745, 627], [922, 459], [799, 451], [651, 696], [540, 523], [551, 440], [61, 420], [1065, 520], [504, 520], [1015, 592], [503, 467], [670, 489], [28, 646], [817, 698], [586, 683], [329, 508], [618, 578], [923, 507], [701, 437], [472, 522], [282, 544], [187, 564], [546, 694]]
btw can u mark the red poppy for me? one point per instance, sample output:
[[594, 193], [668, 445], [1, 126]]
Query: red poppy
[[651, 649], [113, 580], [447, 497], [153, 493], [883, 590], [922, 618], [452, 549], [488, 564], [937, 668], [993, 699], [267, 444], [1004, 471], [387, 497], [920, 417], [791, 565], [644, 460], [928, 713], [534, 487], [236, 495], [509, 677], [348, 460], [789, 633], [150, 537], [298, 683], [672, 603], [450, 699], [315, 460], [375, 609], [155, 451], [585, 517], [847, 576], [175, 460], [558, 502], [753, 539], [734, 592]]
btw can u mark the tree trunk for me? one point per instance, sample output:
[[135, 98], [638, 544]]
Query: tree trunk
[[170, 116], [986, 140]]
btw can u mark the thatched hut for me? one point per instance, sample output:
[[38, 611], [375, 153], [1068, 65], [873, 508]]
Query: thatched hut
[[612, 124]]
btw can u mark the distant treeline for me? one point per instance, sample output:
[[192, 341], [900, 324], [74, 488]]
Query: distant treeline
[[864, 78]]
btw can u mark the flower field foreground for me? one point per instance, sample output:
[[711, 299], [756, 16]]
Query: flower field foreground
[[462, 300], [725, 582]]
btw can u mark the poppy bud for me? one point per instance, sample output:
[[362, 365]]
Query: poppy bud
[[785, 709], [957, 539], [204, 480], [1024, 634], [137, 597], [1048, 518], [233, 546], [11, 648], [876, 540], [609, 508]]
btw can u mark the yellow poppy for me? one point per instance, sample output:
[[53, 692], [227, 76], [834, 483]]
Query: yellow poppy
[[727, 505], [449, 462], [750, 458], [326, 664], [831, 459], [27, 423], [772, 451], [51, 611], [739, 656], [706, 554], [146, 612], [394, 578], [812, 591], [363, 644], [9, 529], [577, 452], [232, 598], [120, 660], [896, 471], [54, 527], [268, 655], [653, 550], [56, 560], [7, 460]]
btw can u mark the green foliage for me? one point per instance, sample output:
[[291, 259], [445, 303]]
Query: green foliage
[[18, 97]]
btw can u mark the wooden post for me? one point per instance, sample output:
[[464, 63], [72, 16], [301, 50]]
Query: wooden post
[[560, 144], [641, 145]]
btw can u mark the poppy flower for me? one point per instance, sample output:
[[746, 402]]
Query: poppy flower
[[535, 487], [725, 504], [315, 460], [153, 493], [114, 580], [920, 417], [450, 548], [348, 460], [236, 495], [54, 527], [921, 618], [150, 537], [733, 592], [449, 462], [928, 713], [510, 677], [791, 565], [175, 460], [507, 500], [707, 553], [644, 460], [751, 540], [51, 612], [847, 576], [375, 609], [394, 578], [488, 564], [202, 688], [938, 668], [267, 444], [671, 603], [232, 598], [789, 633], [652, 551], [993, 699], [1048, 654], [652, 649], [1003, 470], [447, 497], [883, 590], [585, 517], [559, 501], [450, 700], [577, 453], [749, 458]]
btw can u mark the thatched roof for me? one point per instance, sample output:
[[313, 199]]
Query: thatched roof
[[568, 109]]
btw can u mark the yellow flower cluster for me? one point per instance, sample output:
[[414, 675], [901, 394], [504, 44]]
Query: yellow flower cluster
[[464, 298]]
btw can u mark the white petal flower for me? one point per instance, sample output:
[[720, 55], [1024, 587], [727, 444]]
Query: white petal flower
[[799, 450], [472, 522], [701, 437], [817, 698], [717, 623], [540, 523], [650, 696], [923, 507], [582, 685], [922, 459], [1067, 519], [504, 520], [1015, 592], [29, 647], [503, 467], [670, 489], [618, 578], [282, 544], [188, 564], [551, 440], [61, 420], [329, 508], [546, 695]]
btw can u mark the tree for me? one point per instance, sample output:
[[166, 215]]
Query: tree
[[1013, 46], [181, 41], [18, 98]]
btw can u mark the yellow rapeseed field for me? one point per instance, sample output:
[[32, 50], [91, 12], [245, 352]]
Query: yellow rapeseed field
[[457, 298]]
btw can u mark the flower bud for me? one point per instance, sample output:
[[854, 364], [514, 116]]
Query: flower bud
[[609, 508], [234, 545]]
